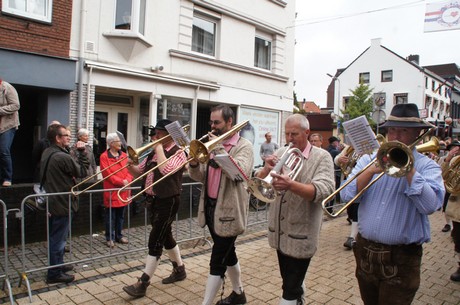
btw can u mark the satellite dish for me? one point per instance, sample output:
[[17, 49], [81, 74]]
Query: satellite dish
[[379, 116]]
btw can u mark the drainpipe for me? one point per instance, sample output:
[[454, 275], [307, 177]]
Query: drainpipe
[[194, 112], [81, 65]]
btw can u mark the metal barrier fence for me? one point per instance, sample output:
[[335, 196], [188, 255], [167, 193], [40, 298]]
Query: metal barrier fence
[[5, 267], [92, 247]]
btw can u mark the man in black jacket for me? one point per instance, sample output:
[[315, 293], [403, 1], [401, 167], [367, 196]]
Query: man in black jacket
[[60, 170]]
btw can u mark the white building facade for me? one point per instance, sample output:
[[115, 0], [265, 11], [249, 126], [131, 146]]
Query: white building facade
[[394, 80], [147, 60]]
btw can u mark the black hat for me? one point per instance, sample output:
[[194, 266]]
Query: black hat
[[161, 124], [405, 115], [454, 143], [151, 131], [333, 139]]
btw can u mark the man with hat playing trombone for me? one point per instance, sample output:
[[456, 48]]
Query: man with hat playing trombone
[[163, 200], [393, 216]]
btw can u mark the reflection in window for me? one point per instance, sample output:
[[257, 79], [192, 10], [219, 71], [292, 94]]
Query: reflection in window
[[130, 15], [262, 53], [203, 36], [177, 109], [387, 76], [364, 78], [34, 9]]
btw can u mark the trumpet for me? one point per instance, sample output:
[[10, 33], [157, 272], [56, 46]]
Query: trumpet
[[134, 154], [263, 189], [197, 150], [396, 160]]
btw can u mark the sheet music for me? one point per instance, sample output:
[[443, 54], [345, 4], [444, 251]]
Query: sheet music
[[229, 167], [361, 136], [178, 134]]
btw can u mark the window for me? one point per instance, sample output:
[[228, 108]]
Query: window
[[130, 16], [433, 85], [387, 76], [40, 10], [364, 78], [400, 98], [426, 82], [262, 53], [204, 35]]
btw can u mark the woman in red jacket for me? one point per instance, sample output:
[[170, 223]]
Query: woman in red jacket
[[114, 208]]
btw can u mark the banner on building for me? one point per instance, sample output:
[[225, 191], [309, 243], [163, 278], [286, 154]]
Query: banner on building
[[442, 16], [260, 122]]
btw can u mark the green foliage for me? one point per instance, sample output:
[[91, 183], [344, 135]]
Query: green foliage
[[360, 103]]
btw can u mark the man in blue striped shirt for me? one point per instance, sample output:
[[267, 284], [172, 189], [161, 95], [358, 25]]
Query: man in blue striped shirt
[[393, 216]]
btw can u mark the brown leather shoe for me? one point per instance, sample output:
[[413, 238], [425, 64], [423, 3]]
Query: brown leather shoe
[[178, 274], [138, 289]]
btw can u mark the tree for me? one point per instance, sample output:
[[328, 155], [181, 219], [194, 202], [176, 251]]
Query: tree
[[297, 107], [360, 103]]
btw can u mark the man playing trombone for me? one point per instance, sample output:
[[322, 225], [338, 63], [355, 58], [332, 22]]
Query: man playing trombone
[[163, 200], [393, 214], [223, 205], [296, 215]]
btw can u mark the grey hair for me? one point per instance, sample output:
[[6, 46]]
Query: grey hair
[[111, 137], [82, 132], [300, 119]]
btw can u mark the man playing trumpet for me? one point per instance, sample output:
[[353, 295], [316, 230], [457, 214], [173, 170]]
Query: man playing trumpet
[[393, 216], [295, 217]]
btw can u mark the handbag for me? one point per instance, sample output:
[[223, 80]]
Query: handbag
[[39, 189]]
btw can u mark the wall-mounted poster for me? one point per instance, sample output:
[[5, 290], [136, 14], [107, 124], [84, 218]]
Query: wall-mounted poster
[[260, 122]]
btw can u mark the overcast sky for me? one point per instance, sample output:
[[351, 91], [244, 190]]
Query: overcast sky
[[331, 34]]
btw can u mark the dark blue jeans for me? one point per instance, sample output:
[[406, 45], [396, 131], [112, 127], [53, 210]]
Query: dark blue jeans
[[114, 218], [6, 165], [58, 230]]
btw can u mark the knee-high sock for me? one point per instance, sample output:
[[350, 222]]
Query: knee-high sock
[[151, 264], [286, 302], [174, 255], [448, 220], [458, 257], [212, 286], [354, 229], [234, 273]]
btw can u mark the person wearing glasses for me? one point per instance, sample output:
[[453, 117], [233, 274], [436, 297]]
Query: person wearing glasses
[[116, 175], [223, 206], [57, 171]]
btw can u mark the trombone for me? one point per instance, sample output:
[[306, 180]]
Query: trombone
[[263, 189], [396, 160], [197, 150], [134, 154]]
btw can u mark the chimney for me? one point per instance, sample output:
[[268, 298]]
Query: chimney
[[414, 58]]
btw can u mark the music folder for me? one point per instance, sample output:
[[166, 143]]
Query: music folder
[[230, 167]]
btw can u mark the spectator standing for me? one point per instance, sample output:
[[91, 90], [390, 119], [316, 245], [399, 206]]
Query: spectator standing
[[83, 136], [268, 147], [37, 152], [114, 207], [60, 169], [223, 206], [334, 151], [316, 140], [9, 123], [295, 217]]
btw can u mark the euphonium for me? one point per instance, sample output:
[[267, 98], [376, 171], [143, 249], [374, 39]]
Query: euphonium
[[451, 176], [263, 189]]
